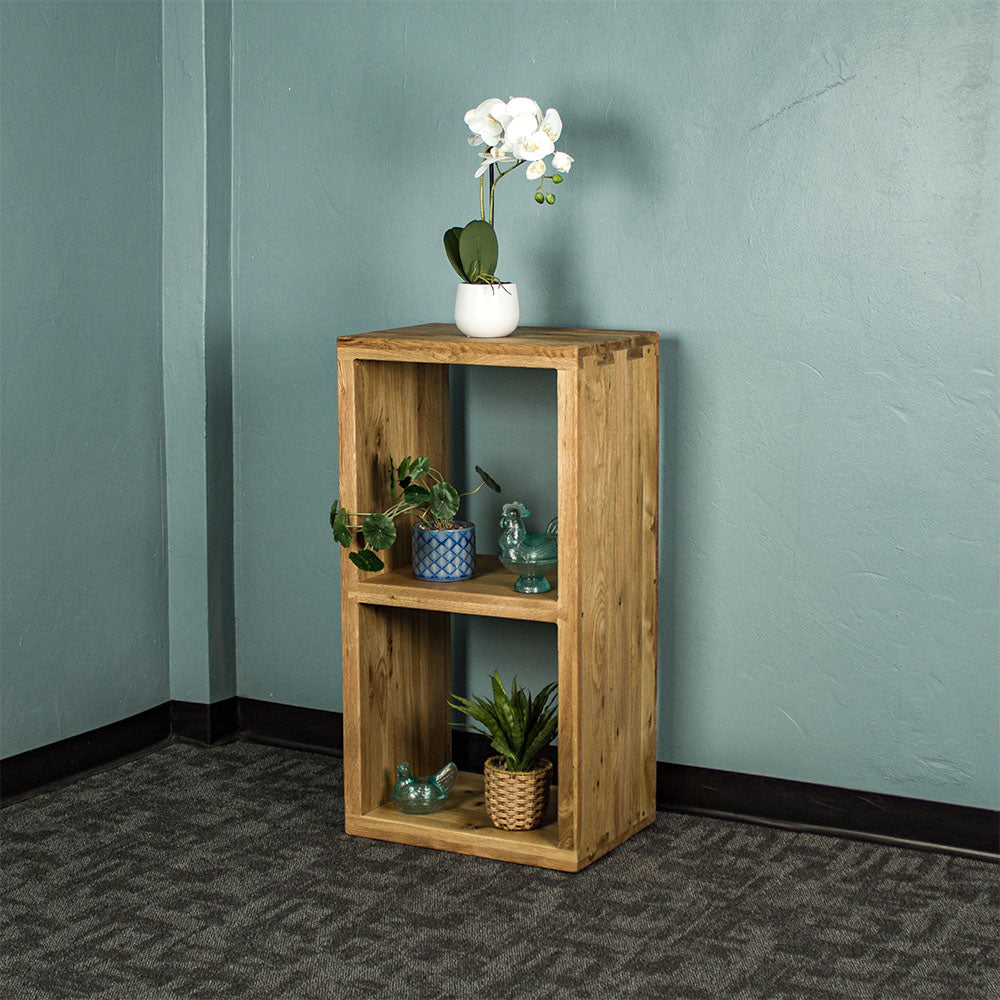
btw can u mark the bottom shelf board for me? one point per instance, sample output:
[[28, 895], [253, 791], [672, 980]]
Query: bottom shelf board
[[463, 827]]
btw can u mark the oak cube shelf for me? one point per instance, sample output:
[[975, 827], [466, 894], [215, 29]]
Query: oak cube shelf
[[396, 630]]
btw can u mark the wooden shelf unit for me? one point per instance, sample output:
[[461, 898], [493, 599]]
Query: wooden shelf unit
[[393, 401]]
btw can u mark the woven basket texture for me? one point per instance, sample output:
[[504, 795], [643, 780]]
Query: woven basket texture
[[516, 800]]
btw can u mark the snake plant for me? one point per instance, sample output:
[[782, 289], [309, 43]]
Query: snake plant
[[520, 726]]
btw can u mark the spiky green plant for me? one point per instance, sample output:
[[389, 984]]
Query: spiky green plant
[[520, 726]]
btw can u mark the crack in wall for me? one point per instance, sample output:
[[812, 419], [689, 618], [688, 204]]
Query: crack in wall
[[802, 100]]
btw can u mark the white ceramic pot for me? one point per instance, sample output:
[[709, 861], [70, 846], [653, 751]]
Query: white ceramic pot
[[487, 310]]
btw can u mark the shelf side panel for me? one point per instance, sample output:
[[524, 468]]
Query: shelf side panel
[[404, 663], [396, 662], [618, 442], [567, 394], [389, 409]]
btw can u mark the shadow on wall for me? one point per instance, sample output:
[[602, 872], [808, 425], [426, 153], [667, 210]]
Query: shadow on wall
[[670, 358], [600, 221]]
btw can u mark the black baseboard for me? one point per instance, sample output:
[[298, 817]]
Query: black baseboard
[[209, 724], [78, 755], [842, 812], [291, 726], [750, 798]]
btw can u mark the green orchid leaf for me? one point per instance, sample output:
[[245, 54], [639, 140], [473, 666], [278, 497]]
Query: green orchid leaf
[[367, 560], [477, 247], [444, 502], [338, 521], [379, 531], [488, 479], [451, 239]]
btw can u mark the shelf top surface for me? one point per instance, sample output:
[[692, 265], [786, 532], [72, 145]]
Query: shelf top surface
[[526, 347], [489, 593]]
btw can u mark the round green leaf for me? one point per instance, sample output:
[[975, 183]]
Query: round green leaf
[[338, 521], [379, 531], [488, 479], [416, 494], [444, 502], [420, 467], [367, 560]]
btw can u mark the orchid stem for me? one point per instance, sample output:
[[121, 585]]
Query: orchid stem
[[493, 184]]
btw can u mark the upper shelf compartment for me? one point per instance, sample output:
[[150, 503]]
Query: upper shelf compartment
[[526, 347], [490, 592]]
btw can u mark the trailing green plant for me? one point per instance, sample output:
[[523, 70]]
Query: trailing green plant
[[422, 490], [520, 726]]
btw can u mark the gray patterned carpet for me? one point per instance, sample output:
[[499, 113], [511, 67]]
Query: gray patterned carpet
[[224, 873]]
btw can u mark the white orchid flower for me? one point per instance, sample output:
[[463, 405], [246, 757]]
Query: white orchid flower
[[562, 161], [493, 154], [534, 147], [526, 140], [535, 169], [524, 106], [487, 121], [552, 124]]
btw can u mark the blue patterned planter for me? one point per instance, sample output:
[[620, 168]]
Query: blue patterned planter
[[444, 556]]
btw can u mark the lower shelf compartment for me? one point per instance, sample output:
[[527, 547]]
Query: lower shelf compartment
[[463, 827]]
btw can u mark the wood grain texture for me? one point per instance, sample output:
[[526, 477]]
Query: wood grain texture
[[489, 593], [527, 347], [462, 826], [396, 634], [404, 662], [568, 443], [617, 421], [396, 663]]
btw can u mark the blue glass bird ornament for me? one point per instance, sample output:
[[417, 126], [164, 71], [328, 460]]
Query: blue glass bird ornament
[[423, 795], [532, 556]]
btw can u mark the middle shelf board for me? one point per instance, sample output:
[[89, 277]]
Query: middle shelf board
[[490, 592]]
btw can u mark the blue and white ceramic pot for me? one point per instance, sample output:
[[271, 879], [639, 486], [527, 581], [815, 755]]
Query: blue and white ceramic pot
[[444, 556]]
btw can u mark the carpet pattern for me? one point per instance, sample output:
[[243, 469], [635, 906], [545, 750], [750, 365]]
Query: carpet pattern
[[225, 873]]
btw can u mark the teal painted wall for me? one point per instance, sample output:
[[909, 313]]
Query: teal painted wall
[[801, 198], [83, 600], [185, 213], [197, 347]]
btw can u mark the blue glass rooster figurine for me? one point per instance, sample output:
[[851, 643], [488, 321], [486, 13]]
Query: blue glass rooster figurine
[[532, 556], [422, 795]]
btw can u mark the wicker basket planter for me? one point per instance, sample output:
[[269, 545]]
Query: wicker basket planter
[[516, 800]]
